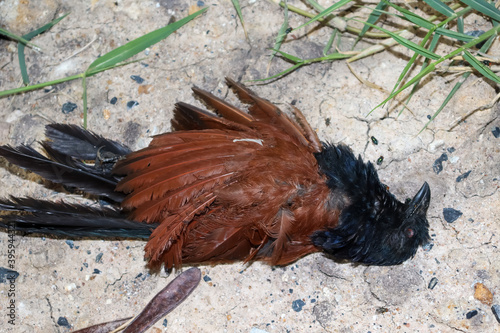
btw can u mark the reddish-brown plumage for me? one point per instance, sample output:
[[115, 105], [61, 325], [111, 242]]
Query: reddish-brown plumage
[[243, 186]]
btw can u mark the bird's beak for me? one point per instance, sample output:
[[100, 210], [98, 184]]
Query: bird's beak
[[420, 203]]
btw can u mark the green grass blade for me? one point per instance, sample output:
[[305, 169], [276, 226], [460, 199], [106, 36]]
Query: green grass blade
[[38, 86], [325, 12], [316, 5], [281, 33], [439, 6], [426, 24], [432, 47], [490, 33], [139, 44], [329, 44], [460, 25], [331, 56], [455, 35], [487, 44], [289, 56], [457, 86], [405, 71], [29, 36], [484, 7], [412, 17], [22, 64], [46, 27], [237, 7], [374, 16], [447, 99], [17, 38], [410, 64], [406, 43], [480, 67]]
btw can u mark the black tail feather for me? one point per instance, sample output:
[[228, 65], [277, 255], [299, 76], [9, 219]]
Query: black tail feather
[[70, 220], [74, 141], [68, 149]]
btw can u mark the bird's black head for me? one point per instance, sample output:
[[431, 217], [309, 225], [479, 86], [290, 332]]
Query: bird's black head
[[374, 227]]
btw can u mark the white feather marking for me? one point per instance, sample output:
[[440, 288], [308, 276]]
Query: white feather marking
[[259, 141]]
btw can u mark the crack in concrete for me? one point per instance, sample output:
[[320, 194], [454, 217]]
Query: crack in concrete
[[112, 284], [51, 311], [482, 196], [446, 324]]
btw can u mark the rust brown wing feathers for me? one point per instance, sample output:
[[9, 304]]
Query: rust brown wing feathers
[[227, 188]]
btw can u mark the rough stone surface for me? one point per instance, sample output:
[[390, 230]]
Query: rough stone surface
[[56, 281]]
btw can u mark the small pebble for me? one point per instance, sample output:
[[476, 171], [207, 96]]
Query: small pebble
[[63, 322], [496, 132], [131, 104], [297, 305], [113, 100], [96, 271], [427, 247], [99, 257], [432, 283], [68, 107], [106, 114], [137, 78], [70, 243], [207, 278], [463, 176], [451, 215], [471, 314], [165, 322], [476, 33], [451, 150], [483, 294], [438, 164], [496, 311]]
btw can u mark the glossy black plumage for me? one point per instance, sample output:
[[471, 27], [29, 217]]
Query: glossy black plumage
[[374, 227]]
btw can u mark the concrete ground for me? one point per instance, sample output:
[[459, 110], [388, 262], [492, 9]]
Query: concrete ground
[[67, 285]]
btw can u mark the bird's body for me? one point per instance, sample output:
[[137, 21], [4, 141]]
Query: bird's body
[[239, 186]]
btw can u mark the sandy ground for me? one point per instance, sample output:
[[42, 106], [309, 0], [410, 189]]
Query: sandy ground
[[64, 285]]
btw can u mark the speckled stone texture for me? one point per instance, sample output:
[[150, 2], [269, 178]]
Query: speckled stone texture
[[63, 286]]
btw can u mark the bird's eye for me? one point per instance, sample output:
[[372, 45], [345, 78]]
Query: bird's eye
[[409, 232]]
